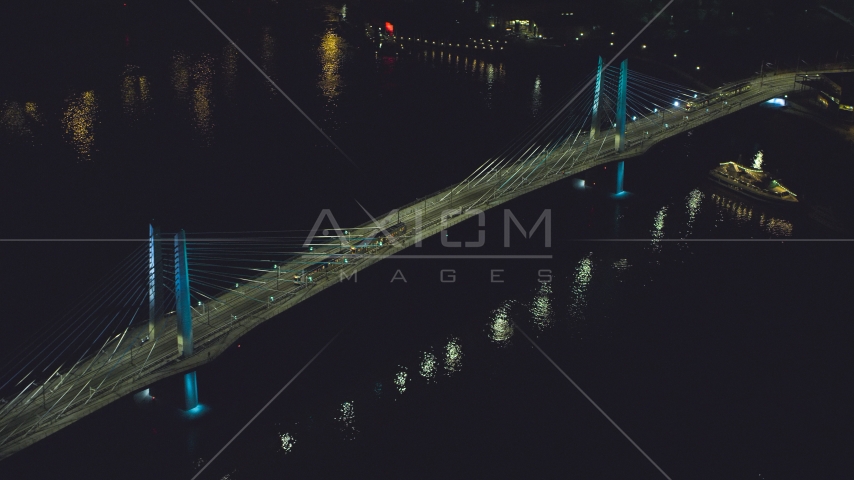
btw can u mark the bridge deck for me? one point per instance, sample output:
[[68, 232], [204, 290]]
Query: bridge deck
[[73, 393]]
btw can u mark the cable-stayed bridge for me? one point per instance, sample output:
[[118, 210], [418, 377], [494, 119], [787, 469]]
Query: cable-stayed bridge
[[201, 293]]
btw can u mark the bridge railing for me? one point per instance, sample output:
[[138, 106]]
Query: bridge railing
[[810, 68]]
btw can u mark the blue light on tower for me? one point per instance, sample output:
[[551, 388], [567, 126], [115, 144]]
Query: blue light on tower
[[191, 391]]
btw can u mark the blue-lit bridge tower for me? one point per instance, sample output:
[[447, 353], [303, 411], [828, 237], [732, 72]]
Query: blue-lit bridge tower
[[620, 135], [183, 309], [620, 139], [155, 283], [184, 313]]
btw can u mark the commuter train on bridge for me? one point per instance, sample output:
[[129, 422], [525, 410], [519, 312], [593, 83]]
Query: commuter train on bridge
[[713, 98]]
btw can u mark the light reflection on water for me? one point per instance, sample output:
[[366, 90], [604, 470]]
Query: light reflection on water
[[78, 121], [778, 227], [500, 326], [180, 74], [658, 228], [14, 119], [400, 380], [331, 53], [541, 307], [229, 68], [453, 356], [429, 365], [288, 442], [491, 73], [583, 306], [536, 97], [347, 418], [193, 82], [268, 56], [203, 98], [743, 214], [694, 199], [135, 94], [485, 72], [580, 284], [32, 111], [17, 119]]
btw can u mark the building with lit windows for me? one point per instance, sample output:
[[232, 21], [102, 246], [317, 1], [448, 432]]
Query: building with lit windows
[[523, 28]]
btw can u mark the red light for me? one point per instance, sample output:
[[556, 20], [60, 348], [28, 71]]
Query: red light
[[389, 28], [238, 345], [125, 4]]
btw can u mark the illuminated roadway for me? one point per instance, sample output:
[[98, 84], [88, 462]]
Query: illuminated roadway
[[73, 392]]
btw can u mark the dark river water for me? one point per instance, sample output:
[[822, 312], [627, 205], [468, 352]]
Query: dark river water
[[724, 355]]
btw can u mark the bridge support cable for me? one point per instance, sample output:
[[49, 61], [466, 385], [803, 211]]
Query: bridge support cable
[[656, 95], [223, 288], [139, 300], [522, 142], [573, 126], [86, 328], [557, 137], [657, 85], [560, 163], [584, 141], [43, 388], [42, 350], [96, 390], [140, 294]]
